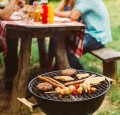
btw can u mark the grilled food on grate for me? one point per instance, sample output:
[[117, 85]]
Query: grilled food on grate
[[64, 78], [94, 80], [72, 89], [83, 103], [44, 86], [82, 75], [69, 72], [54, 82], [84, 82]]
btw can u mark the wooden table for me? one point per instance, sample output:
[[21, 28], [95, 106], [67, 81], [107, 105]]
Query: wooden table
[[26, 33]]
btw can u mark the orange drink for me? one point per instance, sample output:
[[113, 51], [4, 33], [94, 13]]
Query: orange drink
[[37, 14]]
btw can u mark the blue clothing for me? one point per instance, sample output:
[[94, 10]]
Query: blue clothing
[[90, 43], [67, 8], [96, 19]]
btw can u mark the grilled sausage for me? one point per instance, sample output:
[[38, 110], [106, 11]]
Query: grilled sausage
[[55, 81], [52, 82]]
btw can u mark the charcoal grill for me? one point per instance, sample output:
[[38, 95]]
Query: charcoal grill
[[84, 104]]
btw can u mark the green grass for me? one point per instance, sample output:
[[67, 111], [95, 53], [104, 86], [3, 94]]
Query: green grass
[[34, 52]]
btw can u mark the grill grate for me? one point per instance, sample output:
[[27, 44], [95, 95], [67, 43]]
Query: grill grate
[[101, 89]]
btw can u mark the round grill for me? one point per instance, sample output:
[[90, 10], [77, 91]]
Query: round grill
[[102, 88]]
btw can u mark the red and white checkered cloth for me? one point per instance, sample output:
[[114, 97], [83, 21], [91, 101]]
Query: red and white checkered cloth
[[3, 38], [75, 43], [79, 50]]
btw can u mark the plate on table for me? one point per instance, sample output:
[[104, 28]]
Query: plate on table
[[15, 16], [60, 19]]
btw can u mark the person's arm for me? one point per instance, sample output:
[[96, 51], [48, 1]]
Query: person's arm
[[65, 14], [75, 14], [60, 10], [7, 11]]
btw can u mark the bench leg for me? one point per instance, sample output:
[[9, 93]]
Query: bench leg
[[110, 69]]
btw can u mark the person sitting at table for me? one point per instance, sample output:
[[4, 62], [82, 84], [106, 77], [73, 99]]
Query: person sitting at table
[[95, 16], [11, 58], [70, 41]]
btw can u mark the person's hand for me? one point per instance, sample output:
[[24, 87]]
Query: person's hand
[[21, 3]]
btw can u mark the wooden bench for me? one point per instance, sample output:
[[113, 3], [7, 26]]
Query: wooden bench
[[109, 58]]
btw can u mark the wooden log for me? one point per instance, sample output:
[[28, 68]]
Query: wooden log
[[110, 69]]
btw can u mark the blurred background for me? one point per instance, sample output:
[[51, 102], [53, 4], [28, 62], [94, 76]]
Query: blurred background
[[95, 65]]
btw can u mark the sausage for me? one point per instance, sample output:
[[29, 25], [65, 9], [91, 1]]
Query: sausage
[[47, 80], [55, 81]]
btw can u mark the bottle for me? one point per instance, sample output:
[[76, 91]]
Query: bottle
[[45, 13], [51, 13], [39, 13]]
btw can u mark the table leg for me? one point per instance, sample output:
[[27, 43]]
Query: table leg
[[20, 81], [60, 51], [43, 57]]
